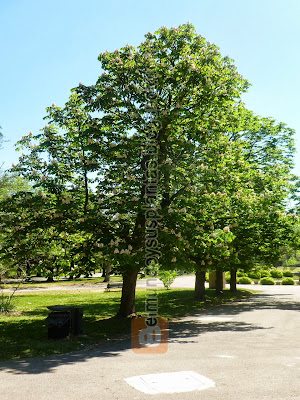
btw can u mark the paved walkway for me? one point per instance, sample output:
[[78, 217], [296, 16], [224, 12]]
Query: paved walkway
[[180, 282]]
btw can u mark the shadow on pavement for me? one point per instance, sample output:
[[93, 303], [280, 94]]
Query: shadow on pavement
[[258, 301], [182, 331], [48, 364]]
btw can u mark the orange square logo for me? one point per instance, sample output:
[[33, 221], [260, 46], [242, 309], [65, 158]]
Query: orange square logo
[[149, 335]]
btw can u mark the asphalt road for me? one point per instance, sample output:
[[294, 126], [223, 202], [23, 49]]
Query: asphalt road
[[249, 349]]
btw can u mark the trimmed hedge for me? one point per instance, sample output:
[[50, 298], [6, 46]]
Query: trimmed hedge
[[288, 281], [288, 274], [264, 273], [245, 280], [275, 273], [240, 273], [267, 281], [254, 274]]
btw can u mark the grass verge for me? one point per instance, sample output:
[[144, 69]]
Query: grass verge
[[23, 333]]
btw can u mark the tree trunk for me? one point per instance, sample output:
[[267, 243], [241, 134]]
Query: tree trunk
[[107, 272], [28, 272], [200, 285], [51, 275], [219, 281], [72, 265], [127, 306], [233, 279], [39, 273]]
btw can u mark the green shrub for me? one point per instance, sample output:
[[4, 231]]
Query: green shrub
[[6, 305], [288, 273], [264, 273], [267, 281], [288, 281], [275, 273], [240, 273], [245, 280], [207, 277], [167, 278], [6, 301], [227, 276], [254, 274]]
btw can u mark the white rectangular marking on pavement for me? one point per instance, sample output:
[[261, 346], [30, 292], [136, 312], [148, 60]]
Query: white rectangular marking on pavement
[[170, 382], [225, 356]]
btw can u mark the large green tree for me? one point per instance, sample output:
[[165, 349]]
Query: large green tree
[[61, 211], [161, 102]]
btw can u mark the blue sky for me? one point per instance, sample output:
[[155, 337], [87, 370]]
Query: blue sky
[[48, 47]]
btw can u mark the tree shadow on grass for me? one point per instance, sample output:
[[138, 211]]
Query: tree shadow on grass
[[91, 344]]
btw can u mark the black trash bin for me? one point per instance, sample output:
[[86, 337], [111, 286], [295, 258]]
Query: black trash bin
[[64, 320], [59, 325], [76, 321]]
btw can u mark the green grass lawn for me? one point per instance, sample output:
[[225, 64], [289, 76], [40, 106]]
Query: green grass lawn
[[23, 332]]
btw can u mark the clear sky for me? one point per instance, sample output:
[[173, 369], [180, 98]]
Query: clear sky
[[48, 47]]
